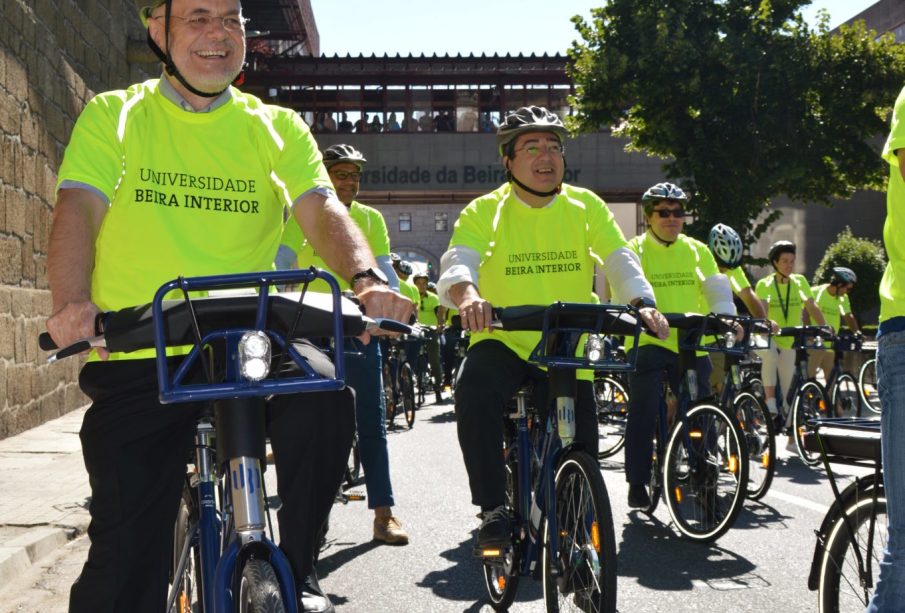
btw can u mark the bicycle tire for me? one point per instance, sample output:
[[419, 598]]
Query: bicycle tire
[[501, 577], [259, 589], [587, 554], [845, 397], [353, 467], [810, 403], [421, 378], [612, 414], [840, 589], [655, 484], [389, 392], [867, 385], [188, 597], [757, 426], [706, 480], [407, 393]]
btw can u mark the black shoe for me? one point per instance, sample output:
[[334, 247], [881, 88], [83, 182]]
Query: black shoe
[[495, 530], [439, 399], [637, 496], [312, 598]]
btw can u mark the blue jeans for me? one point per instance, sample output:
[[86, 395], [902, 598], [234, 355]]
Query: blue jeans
[[890, 593], [364, 374]]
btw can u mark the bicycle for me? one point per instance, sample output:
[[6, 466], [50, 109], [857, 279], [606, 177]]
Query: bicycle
[[852, 535], [557, 498], [867, 380], [700, 459], [223, 558], [398, 383], [841, 386], [611, 395], [739, 397], [806, 398]]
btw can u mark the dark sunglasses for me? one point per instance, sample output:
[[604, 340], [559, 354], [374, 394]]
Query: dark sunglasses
[[664, 213]]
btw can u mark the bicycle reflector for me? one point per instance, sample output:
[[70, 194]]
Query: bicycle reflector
[[254, 355]]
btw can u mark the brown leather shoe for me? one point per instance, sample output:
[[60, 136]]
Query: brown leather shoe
[[389, 530]]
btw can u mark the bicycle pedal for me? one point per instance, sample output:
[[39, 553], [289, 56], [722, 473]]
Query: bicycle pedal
[[354, 496], [489, 554]]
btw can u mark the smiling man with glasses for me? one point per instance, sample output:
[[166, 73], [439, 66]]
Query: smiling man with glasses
[[187, 176], [534, 240], [685, 278]]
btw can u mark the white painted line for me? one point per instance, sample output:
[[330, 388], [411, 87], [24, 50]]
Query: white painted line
[[798, 500]]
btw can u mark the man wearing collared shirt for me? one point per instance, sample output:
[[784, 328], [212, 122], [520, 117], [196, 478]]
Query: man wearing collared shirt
[[185, 175]]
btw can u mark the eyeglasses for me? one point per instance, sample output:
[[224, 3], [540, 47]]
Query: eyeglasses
[[201, 22], [664, 213], [535, 150], [342, 175]]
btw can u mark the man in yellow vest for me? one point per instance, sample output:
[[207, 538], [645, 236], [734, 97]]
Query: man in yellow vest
[[558, 232], [428, 308]]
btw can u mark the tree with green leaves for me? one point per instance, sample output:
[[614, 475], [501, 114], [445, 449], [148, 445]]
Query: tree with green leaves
[[867, 259], [742, 98]]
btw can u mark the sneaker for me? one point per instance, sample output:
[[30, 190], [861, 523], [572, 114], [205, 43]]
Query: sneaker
[[390, 531], [312, 598], [496, 528], [637, 496]]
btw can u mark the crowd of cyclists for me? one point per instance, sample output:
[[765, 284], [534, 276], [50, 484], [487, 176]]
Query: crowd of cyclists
[[107, 252]]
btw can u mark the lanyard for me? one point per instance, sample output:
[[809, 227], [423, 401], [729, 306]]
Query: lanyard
[[784, 307]]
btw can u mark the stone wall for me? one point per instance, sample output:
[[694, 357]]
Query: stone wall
[[54, 55]]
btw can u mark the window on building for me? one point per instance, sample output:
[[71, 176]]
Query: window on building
[[441, 222], [405, 222]]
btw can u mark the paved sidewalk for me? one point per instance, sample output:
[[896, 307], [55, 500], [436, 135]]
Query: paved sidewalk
[[44, 500]]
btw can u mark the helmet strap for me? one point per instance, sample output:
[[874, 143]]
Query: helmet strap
[[553, 192], [661, 240]]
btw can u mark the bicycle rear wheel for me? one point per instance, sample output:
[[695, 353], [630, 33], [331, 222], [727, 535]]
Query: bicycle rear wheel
[[407, 393], [810, 403], [586, 560], [655, 485], [259, 589], [501, 575], [867, 385], [389, 384], [841, 589], [844, 396], [706, 473], [612, 412], [757, 426], [421, 374]]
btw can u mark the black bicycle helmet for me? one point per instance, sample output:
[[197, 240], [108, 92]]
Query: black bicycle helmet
[[527, 119], [404, 267], [843, 276], [335, 154], [726, 245], [780, 247]]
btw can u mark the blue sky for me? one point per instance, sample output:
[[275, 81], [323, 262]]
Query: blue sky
[[475, 26]]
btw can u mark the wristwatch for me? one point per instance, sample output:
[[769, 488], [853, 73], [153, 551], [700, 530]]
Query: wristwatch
[[643, 303], [375, 274]]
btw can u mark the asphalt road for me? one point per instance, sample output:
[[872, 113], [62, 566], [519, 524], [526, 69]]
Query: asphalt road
[[760, 564]]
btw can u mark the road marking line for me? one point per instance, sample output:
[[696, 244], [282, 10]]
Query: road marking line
[[798, 500]]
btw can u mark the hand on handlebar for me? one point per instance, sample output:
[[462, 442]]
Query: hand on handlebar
[[75, 321], [655, 322], [476, 314], [381, 301]]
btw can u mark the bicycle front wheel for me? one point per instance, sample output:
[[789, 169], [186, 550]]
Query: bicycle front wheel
[[501, 575], [810, 403], [845, 398], [706, 473], [389, 383], [185, 574], [353, 467], [407, 393], [612, 413], [867, 385], [581, 575], [259, 589], [841, 588], [757, 426]]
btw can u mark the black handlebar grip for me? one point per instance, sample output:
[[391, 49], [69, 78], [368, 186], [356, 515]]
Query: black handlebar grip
[[45, 342], [79, 347]]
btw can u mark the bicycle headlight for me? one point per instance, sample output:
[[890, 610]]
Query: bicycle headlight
[[729, 339], [593, 349], [254, 355]]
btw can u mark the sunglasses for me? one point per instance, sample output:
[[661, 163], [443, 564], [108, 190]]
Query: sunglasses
[[664, 213], [342, 175]]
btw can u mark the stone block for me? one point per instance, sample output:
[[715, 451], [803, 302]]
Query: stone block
[[9, 114], [15, 214], [18, 384], [10, 260], [22, 304], [7, 337]]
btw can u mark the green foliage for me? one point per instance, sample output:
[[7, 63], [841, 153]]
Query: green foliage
[[866, 258], [743, 100]]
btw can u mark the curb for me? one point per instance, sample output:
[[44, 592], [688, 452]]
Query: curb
[[21, 553]]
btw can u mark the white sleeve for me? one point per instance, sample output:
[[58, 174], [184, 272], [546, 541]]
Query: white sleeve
[[459, 264], [623, 272], [718, 294], [385, 264]]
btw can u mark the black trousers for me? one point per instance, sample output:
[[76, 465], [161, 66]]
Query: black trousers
[[135, 452], [490, 376]]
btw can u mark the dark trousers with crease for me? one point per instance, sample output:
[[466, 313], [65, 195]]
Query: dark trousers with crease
[[135, 451]]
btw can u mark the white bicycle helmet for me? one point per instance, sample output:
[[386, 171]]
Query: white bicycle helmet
[[843, 276], [726, 245]]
